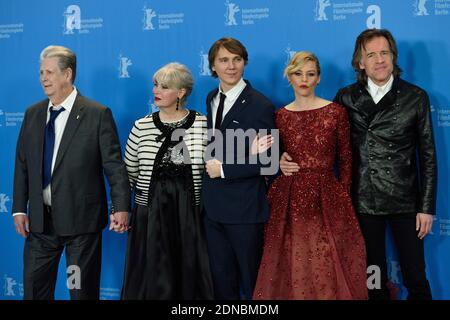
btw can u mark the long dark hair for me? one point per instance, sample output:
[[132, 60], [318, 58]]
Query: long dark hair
[[361, 42]]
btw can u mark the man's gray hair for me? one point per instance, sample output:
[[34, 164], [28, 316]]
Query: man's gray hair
[[66, 58]]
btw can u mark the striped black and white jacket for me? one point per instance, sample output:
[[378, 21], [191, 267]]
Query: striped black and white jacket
[[143, 145]]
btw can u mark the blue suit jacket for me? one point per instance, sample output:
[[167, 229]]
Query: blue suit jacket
[[240, 198]]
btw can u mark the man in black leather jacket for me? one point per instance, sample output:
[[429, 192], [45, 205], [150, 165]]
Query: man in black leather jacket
[[394, 161]]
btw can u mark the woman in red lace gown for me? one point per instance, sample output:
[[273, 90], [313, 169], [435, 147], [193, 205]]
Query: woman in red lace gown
[[313, 245]]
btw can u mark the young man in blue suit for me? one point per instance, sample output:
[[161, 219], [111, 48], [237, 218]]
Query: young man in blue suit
[[234, 189]]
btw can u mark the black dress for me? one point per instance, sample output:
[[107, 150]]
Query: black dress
[[166, 250]]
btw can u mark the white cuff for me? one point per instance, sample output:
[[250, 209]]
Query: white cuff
[[19, 214], [222, 175]]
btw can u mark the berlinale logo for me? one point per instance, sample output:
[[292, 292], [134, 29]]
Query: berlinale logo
[[204, 64], [232, 9], [289, 54], [123, 66], [10, 286], [3, 199], [419, 8], [2, 118], [149, 14], [321, 5]]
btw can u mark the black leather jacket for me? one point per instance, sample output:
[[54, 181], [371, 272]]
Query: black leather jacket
[[394, 158]]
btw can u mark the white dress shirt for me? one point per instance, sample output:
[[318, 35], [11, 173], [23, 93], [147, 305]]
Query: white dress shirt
[[378, 92], [231, 98]]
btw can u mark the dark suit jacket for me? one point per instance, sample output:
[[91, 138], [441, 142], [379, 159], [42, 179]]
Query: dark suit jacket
[[89, 148], [241, 196], [388, 138]]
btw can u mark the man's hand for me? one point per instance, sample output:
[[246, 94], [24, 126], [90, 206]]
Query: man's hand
[[22, 224], [261, 144], [287, 166], [424, 222], [213, 168], [119, 222]]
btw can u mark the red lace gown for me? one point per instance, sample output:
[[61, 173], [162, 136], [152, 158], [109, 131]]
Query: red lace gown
[[313, 246]]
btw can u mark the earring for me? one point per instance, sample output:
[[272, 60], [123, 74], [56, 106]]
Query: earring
[[178, 102]]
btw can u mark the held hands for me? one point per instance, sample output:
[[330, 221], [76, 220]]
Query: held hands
[[22, 224], [119, 222], [287, 166], [424, 222]]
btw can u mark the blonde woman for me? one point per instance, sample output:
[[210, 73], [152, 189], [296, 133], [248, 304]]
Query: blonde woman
[[313, 246]]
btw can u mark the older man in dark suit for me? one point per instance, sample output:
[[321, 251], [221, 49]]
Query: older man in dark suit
[[234, 188], [66, 144]]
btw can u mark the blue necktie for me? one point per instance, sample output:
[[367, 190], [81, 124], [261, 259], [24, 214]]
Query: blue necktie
[[49, 144]]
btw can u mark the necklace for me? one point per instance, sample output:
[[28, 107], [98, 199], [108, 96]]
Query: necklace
[[177, 119]]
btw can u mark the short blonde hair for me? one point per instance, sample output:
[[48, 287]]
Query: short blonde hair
[[298, 60], [175, 75]]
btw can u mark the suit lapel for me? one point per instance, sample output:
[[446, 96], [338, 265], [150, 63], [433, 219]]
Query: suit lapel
[[208, 107], [387, 102], [40, 130], [363, 104], [389, 98], [75, 118]]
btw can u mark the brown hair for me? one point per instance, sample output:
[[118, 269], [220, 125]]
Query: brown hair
[[361, 42], [232, 45]]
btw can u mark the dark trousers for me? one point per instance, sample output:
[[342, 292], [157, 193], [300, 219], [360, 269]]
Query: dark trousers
[[235, 252], [409, 249], [41, 259]]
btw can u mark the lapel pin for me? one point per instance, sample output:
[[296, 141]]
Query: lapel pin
[[78, 116], [243, 101]]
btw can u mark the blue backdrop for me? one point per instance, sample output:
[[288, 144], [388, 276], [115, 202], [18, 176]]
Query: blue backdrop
[[120, 44]]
